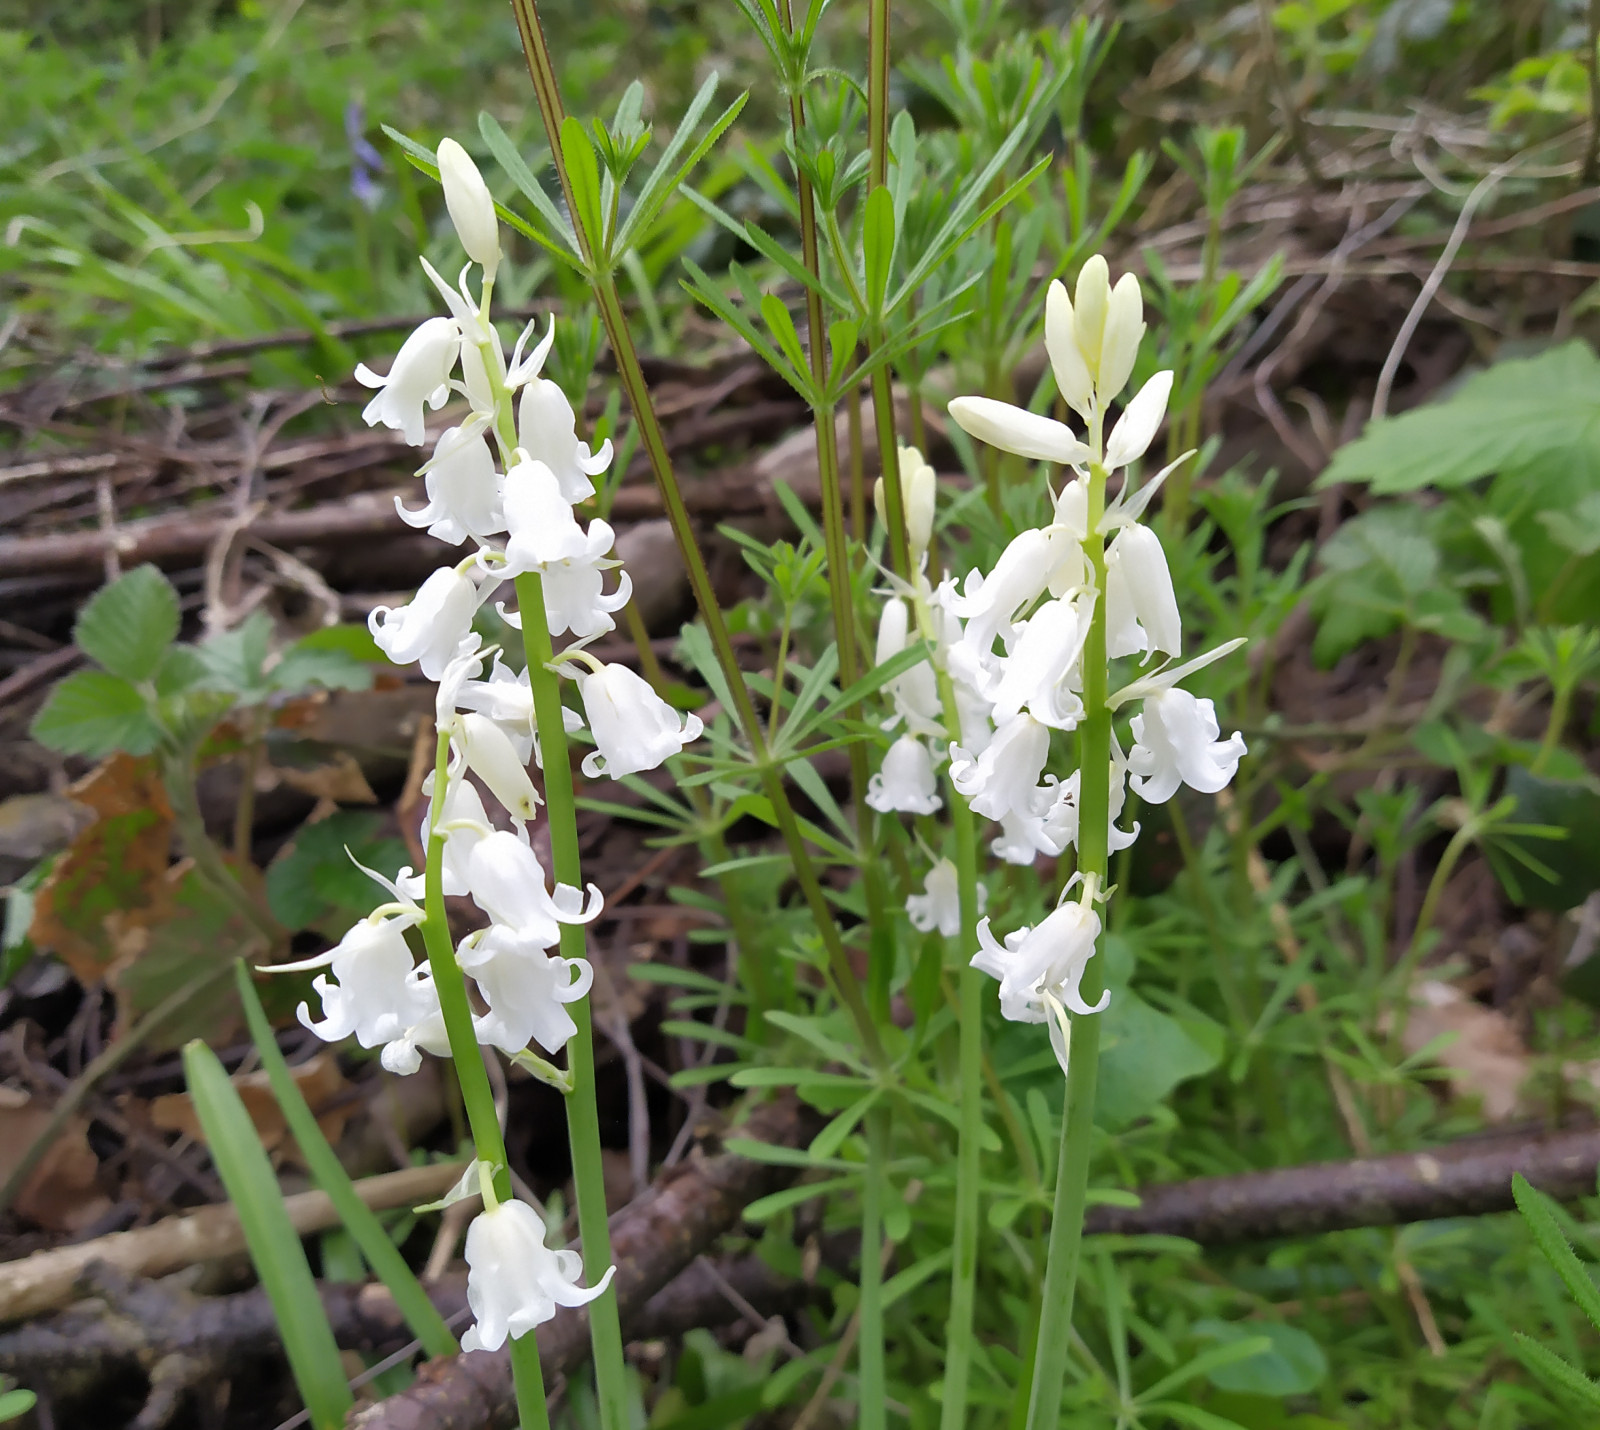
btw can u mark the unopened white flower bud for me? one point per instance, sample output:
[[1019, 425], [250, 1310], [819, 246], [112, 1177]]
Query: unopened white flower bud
[[1119, 344], [1136, 428], [1090, 304], [471, 206], [1073, 379], [1015, 429], [1139, 590], [493, 758]]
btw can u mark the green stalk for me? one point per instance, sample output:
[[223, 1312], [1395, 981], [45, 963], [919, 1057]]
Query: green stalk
[[871, 1409], [583, 1110], [841, 580], [878, 92], [638, 391], [473, 1078], [969, 1025], [1077, 1123]]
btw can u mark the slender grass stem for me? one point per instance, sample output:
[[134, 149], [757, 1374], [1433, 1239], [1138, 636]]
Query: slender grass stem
[[1077, 1123], [583, 1112], [477, 1097]]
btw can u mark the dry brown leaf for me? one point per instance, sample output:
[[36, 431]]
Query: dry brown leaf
[[111, 883], [1487, 1059], [320, 1083], [62, 1193], [339, 781]]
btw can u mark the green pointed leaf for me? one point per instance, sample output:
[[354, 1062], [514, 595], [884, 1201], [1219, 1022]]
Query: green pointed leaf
[[275, 1248], [878, 239], [129, 624]]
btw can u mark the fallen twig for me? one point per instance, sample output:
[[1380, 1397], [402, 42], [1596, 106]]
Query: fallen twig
[[48, 1279], [1467, 1178], [653, 1240]]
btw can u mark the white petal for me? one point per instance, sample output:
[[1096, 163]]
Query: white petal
[[1136, 428], [1015, 429]]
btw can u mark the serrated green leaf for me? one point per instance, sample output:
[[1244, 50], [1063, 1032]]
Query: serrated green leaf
[[1555, 1372], [1517, 412], [1552, 1242], [127, 625], [95, 714]]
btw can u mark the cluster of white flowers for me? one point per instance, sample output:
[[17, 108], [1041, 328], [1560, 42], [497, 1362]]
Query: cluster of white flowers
[[1012, 642], [508, 487]]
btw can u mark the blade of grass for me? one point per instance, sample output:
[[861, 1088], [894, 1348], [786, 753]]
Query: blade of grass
[[275, 1248], [359, 1220]]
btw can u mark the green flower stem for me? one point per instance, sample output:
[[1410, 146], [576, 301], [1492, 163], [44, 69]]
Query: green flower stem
[[626, 354], [877, 93], [841, 583], [476, 1094], [894, 503], [871, 1407], [969, 1026], [1053, 1346], [583, 1112]]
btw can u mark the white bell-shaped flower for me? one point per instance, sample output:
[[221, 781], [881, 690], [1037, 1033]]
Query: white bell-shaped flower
[[402, 1054], [1060, 821], [419, 377], [431, 627], [1004, 779], [1176, 742], [1024, 836], [543, 530], [1046, 652], [506, 697], [1136, 428], [463, 488], [375, 997], [491, 755], [989, 604], [547, 429], [506, 880], [1141, 606], [574, 591], [527, 990], [906, 783], [634, 729], [1015, 429], [939, 904], [1047, 961], [471, 206], [514, 1281]]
